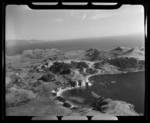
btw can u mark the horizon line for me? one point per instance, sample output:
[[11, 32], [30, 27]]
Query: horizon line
[[79, 38]]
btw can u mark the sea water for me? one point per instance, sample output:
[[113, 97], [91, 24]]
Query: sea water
[[128, 87]]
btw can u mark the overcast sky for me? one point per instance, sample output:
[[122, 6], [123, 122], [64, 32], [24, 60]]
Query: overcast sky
[[25, 23]]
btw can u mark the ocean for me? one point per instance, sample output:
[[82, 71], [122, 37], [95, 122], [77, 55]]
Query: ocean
[[103, 43]]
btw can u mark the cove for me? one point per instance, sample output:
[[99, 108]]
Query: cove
[[128, 87]]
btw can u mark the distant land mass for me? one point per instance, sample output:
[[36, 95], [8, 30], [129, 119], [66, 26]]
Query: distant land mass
[[101, 43]]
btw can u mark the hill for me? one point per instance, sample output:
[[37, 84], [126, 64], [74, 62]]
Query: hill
[[134, 53]]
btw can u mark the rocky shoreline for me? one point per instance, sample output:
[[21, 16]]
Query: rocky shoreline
[[58, 95], [103, 100]]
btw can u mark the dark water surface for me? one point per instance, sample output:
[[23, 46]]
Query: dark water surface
[[128, 87]]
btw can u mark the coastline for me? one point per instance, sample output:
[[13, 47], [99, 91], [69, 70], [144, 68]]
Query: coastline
[[60, 91]]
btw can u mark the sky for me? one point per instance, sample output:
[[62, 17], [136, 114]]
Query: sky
[[27, 24]]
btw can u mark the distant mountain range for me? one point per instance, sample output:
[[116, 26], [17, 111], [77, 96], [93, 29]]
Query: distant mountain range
[[138, 52], [90, 54]]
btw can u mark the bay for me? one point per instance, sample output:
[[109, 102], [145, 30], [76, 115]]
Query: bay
[[128, 87]]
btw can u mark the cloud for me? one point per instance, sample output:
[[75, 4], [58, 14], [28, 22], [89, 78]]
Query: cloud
[[123, 11], [78, 14], [59, 20], [74, 13], [100, 16], [84, 16], [89, 14]]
